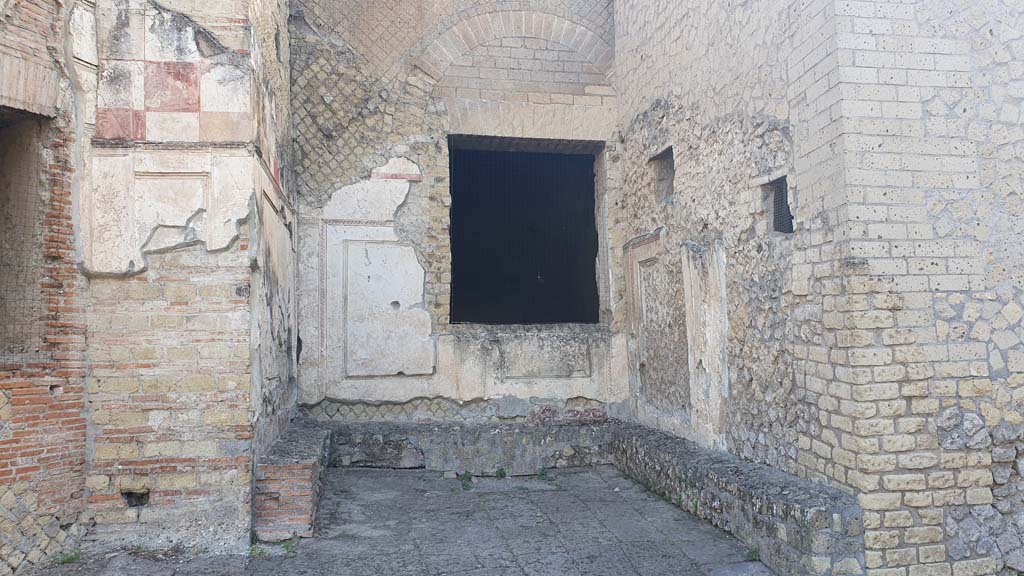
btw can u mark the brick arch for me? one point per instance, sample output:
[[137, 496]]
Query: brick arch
[[475, 31]]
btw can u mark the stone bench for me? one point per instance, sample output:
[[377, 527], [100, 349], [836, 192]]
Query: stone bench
[[797, 527], [480, 449], [288, 480]]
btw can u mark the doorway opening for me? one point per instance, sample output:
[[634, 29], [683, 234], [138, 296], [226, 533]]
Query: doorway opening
[[23, 197]]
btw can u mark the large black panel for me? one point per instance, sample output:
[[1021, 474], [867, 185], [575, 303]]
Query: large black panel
[[524, 239]]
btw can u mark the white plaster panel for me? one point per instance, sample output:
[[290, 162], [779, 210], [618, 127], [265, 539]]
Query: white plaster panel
[[109, 222], [469, 367], [369, 200], [143, 201], [386, 388], [374, 201], [310, 300], [172, 126], [330, 288], [365, 294], [233, 186], [541, 356], [225, 88], [338, 234], [388, 331], [83, 34], [172, 161], [332, 302], [462, 370], [548, 388], [166, 200], [170, 38]]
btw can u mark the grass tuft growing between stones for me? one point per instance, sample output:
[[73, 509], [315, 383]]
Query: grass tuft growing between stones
[[69, 557], [290, 545], [544, 475], [753, 555], [500, 474], [467, 481], [257, 551]]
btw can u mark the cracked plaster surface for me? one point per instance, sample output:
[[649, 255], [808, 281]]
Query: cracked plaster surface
[[150, 202]]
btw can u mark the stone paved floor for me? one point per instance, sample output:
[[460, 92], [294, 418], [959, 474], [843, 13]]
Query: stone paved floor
[[582, 522]]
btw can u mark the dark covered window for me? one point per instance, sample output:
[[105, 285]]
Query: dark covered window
[[782, 216], [663, 168], [524, 237]]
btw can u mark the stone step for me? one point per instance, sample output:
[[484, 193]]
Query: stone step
[[288, 482]]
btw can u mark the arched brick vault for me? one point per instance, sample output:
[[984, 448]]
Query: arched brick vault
[[588, 115], [476, 31]]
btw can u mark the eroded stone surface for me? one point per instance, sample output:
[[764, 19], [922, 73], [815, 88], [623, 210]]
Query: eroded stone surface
[[799, 528], [481, 449]]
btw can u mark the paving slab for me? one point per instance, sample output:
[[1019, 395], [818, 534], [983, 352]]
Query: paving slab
[[571, 522]]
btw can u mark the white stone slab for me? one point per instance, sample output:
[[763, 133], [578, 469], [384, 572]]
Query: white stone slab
[[111, 237], [374, 201], [388, 330], [122, 85]]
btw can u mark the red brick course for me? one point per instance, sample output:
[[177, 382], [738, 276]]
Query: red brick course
[[42, 453], [288, 483]]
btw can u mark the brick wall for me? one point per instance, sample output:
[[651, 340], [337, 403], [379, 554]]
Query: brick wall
[[527, 70], [42, 429], [288, 483], [29, 71], [185, 232], [169, 402], [739, 94], [932, 309]]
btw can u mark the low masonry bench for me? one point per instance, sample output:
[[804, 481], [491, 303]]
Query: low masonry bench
[[797, 527], [518, 449], [288, 481]]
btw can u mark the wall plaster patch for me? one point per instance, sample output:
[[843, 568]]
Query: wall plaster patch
[[373, 320], [144, 202]]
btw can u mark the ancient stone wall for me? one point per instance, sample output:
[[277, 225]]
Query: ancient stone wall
[[187, 234], [220, 174], [933, 295], [723, 93], [42, 429], [24, 194], [275, 318], [877, 347], [377, 89], [169, 402], [30, 73]]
